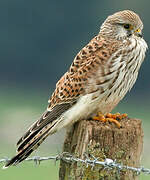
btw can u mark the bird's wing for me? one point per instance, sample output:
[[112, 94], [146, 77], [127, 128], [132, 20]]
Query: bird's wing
[[85, 65], [68, 89], [72, 85]]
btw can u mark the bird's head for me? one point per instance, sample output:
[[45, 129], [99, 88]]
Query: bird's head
[[122, 25]]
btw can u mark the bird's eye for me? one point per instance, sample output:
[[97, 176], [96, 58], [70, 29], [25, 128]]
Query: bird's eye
[[127, 26]]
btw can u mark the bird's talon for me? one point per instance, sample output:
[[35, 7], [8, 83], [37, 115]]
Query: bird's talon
[[112, 118]]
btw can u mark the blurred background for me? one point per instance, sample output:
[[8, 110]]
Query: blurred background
[[38, 41]]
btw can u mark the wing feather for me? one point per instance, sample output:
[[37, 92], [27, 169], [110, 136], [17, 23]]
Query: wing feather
[[74, 82]]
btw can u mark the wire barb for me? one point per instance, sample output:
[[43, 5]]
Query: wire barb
[[88, 161]]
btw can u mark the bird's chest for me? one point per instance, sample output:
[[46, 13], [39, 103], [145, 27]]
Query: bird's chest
[[120, 79]]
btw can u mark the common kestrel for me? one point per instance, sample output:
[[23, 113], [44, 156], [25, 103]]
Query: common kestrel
[[99, 77]]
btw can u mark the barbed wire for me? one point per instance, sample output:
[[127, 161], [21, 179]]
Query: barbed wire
[[107, 163]]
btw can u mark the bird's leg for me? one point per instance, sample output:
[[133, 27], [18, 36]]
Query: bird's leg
[[113, 118]]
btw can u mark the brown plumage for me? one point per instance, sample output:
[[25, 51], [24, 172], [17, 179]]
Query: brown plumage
[[99, 77]]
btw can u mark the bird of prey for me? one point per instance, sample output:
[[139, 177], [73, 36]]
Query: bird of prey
[[98, 78]]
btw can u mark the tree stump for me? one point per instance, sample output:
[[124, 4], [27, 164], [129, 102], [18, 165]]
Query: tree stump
[[102, 141]]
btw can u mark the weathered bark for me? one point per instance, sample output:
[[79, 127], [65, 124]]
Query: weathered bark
[[103, 141]]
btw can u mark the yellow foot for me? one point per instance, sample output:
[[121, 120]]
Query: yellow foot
[[113, 118]]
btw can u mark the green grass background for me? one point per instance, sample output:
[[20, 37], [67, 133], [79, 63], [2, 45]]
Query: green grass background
[[19, 108]]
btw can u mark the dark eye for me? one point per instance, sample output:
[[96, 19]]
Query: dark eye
[[126, 26]]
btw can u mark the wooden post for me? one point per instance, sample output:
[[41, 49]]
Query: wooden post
[[103, 141]]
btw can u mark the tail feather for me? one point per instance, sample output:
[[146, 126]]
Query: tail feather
[[28, 149], [37, 133], [46, 118], [27, 140]]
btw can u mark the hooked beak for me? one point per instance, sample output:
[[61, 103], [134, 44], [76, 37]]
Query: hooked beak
[[138, 33]]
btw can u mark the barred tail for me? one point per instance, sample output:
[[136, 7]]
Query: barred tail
[[31, 145], [37, 133]]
